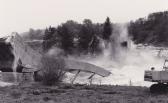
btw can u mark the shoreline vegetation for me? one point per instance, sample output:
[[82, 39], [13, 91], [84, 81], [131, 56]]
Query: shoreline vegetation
[[85, 38]]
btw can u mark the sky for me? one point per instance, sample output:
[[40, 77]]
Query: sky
[[21, 15]]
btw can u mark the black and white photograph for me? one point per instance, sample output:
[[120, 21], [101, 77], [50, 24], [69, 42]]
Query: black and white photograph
[[83, 51]]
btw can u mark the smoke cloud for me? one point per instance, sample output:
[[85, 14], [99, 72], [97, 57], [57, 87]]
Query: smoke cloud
[[127, 63]]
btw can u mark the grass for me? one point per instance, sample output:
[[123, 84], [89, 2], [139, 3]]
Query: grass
[[67, 93]]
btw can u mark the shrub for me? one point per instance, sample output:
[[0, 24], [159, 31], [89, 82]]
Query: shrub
[[52, 70]]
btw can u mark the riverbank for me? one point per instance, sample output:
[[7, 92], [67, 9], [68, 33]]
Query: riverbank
[[66, 93]]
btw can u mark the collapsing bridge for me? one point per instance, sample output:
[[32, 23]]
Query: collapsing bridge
[[30, 58]]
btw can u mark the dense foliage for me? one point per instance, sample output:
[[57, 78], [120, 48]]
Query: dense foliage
[[33, 34], [107, 31], [76, 38], [6, 57], [152, 30]]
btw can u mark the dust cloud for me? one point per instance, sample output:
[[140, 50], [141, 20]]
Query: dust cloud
[[127, 62]]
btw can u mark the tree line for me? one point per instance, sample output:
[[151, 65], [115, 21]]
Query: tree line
[[78, 38], [152, 30], [85, 37]]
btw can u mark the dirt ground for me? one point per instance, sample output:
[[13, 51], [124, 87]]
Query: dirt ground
[[66, 93]]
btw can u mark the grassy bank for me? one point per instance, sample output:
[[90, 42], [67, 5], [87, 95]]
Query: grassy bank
[[65, 93]]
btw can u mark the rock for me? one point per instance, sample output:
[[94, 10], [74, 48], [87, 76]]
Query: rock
[[36, 92]]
